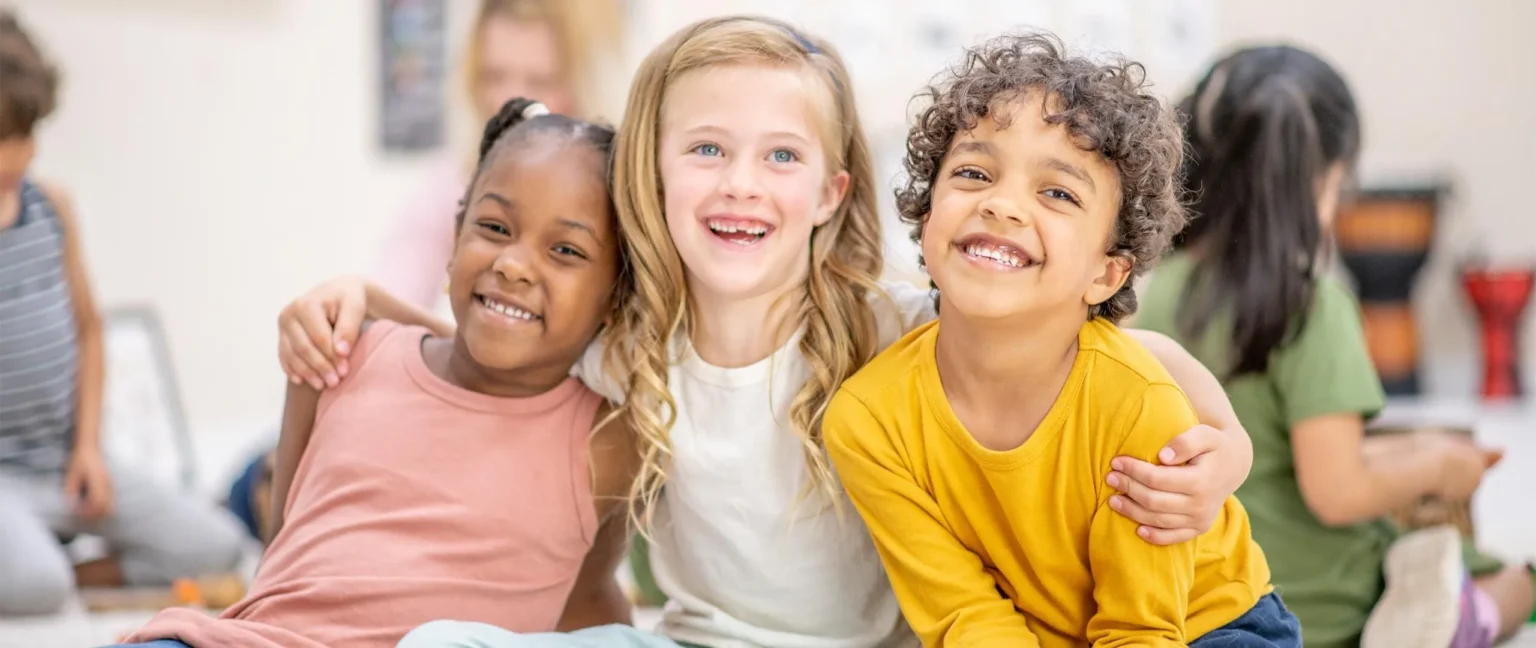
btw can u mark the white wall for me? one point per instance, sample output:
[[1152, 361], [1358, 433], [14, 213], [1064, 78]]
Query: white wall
[[224, 156]]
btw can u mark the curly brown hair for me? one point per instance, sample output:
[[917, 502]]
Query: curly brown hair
[[1106, 107], [28, 82]]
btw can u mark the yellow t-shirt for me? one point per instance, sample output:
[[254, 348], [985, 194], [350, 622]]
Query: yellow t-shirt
[[1020, 547]]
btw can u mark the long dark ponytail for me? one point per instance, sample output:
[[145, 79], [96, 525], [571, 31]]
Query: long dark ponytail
[[1264, 127]]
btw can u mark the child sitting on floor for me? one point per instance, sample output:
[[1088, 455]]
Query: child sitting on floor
[[461, 477], [1273, 137], [56, 480], [1039, 185]]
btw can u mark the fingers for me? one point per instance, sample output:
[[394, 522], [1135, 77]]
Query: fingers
[[1166, 537], [1151, 520], [349, 322], [1172, 479], [306, 358], [1193, 442], [1157, 502]]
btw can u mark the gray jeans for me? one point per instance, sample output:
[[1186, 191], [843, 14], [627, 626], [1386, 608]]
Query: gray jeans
[[156, 534]]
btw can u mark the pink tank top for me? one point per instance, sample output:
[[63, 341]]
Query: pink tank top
[[416, 501]]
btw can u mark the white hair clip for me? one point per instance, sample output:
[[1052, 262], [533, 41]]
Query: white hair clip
[[534, 110]]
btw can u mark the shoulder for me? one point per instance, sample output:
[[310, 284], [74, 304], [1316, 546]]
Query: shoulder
[[60, 200], [1333, 300], [895, 367], [1122, 356]]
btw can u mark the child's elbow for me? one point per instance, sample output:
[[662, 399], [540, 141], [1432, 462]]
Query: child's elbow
[[1334, 509]]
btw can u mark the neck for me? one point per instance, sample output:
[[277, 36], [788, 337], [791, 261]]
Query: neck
[[450, 360], [736, 332], [998, 374]]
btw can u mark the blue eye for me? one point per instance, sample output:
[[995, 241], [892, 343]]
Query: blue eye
[[709, 150], [783, 156]]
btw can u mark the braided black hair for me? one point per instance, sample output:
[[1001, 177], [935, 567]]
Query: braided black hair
[[521, 119]]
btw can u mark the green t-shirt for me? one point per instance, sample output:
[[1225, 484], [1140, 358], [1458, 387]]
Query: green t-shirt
[[1330, 577]]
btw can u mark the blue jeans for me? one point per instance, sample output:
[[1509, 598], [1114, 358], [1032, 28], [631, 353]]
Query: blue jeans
[[1268, 624], [158, 643]]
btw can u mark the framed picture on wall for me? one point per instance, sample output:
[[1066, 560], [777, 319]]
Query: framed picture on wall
[[143, 423], [412, 73]]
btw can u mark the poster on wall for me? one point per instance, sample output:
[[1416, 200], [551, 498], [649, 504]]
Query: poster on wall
[[412, 70]]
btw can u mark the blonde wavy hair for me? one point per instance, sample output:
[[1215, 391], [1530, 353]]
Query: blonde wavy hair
[[845, 261]]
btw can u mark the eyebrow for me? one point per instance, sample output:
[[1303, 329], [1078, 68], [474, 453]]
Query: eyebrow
[[567, 223], [583, 227], [716, 130], [1071, 170], [972, 146]]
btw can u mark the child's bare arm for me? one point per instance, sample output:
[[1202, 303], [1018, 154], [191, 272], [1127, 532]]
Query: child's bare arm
[[317, 331], [87, 481], [298, 423], [943, 587], [597, 598], [1180, 498], [1342, 484]]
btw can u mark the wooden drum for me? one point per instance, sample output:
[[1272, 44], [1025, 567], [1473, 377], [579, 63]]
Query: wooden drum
[[1384, 237]]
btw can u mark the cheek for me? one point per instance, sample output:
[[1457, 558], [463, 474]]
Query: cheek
[[797, 197]]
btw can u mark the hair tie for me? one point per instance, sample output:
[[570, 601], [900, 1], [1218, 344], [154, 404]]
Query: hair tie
[[535, 109]]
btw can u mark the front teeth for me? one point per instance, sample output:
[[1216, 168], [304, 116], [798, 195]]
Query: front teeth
[[989, 252], [756, 230], [510, 311]]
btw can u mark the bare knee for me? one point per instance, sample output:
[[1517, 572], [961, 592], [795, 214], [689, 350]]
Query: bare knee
[[1514, 592], [33, 587]]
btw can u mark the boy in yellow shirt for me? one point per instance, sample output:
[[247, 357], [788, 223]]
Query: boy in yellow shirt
[[1039, 185]]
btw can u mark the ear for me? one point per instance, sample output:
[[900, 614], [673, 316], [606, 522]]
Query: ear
[[832, 197], [1116, 271]]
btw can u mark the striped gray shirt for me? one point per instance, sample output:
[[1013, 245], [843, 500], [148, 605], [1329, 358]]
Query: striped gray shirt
[[37, 340]]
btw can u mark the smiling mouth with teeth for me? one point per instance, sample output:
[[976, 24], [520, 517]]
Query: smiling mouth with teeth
[[737, 231], [1000, 255], [508, 311]]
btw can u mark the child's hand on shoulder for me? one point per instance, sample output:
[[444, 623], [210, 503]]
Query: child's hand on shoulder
[[1180, 497], [316, 332]]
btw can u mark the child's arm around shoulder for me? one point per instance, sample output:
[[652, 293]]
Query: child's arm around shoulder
[[1142, 589], [945, 592], [1204, 464], [596, 599], [300, 407]]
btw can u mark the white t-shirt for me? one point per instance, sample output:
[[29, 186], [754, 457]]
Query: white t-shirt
[[745, 559]]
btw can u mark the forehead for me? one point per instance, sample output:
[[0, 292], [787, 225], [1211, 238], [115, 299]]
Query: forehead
[[508, 42], [746, 99], [1016, 127], [551, 175]]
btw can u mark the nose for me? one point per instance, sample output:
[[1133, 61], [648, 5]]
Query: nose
[[741, 181], [515, 265], [1004, 208]]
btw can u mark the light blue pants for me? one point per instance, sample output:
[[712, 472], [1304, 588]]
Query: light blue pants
[[466, 634]]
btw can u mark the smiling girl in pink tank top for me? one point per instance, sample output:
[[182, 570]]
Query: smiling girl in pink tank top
[[460, 477]]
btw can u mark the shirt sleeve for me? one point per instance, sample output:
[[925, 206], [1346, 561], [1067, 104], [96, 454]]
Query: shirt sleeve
[[592, 372], [1142, 589], [945, 592], [1327, 368]]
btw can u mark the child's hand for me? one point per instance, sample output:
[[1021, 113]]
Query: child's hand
[[88, 485], [318, 330], [1180, 499], [1463, 465]]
